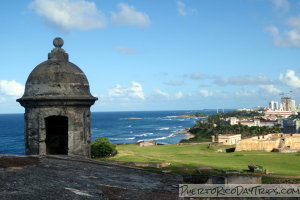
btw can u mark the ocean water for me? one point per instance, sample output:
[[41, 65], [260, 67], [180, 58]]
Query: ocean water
[[119, 127]]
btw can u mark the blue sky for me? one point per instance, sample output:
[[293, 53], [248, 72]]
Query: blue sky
[[158, 55]]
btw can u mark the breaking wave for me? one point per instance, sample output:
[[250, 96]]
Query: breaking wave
[[130, 138], [143, 135], [170, 116], [165, 137], [164, 129]]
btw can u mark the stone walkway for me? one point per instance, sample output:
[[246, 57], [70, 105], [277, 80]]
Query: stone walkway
[[63, 177]]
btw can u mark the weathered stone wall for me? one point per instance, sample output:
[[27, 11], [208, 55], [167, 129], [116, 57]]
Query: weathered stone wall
[[228, 139], [79, 131], [242, 179], [253, 144], [293, 142], [269, 142], [222, 179]]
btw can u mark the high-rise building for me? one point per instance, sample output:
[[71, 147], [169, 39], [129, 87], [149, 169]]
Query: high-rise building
[[288, 104], [293, 106], [276, 106], [281, 107], [273, 105]]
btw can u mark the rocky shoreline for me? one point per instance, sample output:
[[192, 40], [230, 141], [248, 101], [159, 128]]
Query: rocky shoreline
[[187, 133]]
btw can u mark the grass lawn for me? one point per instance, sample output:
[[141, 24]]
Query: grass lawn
[[193, 156]]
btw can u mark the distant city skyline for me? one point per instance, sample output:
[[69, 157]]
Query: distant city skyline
[[158, 55], [287, 104]]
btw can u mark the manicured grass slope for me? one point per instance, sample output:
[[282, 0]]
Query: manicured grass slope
[[192, 156]]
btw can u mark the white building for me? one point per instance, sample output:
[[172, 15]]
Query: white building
[[273, 105], [253, 122], [288, 104], [278, 113], [293, 105]]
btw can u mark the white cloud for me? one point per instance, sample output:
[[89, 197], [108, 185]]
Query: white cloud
[[179, 95], [290, 78], [128, 15], [294, 22], [124, 50], [205, 93], [164, 94], [2, 99], [168, 96], [245, 93], [270, 89], [281, 5], [68, 15], [242, 80], [273, 30], [11, 88], [278, 40], [174, 83], [289, 37], [183, 10], [135, 90]]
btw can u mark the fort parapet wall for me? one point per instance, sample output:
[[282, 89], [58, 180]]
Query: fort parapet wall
[[271, 142]]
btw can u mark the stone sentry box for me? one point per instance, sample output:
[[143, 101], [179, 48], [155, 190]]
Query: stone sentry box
[[57, 103]]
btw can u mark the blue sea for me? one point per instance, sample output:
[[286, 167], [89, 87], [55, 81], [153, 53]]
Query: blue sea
[[119, 127]]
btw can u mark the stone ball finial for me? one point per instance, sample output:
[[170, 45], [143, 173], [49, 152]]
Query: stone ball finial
[[58, 42]]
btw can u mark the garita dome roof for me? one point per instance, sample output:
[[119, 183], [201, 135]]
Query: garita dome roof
[[57, 79]]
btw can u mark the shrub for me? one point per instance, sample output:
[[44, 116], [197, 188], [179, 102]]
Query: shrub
[[102, 147]]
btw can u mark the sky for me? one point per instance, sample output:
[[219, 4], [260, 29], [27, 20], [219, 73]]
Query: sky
[[158, 55]]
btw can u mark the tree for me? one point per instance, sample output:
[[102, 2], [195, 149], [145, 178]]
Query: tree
[[102, 147]]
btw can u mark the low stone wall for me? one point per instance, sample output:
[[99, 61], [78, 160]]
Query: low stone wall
[[222, 179], [147, 143]]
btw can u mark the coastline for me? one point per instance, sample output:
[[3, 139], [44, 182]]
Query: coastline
[[192, 116], [119, 127], [187, 133]]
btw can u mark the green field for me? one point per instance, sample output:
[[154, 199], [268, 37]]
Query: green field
[[192, 156]]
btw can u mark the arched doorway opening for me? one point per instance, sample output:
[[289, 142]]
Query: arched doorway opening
[[56, 135]]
